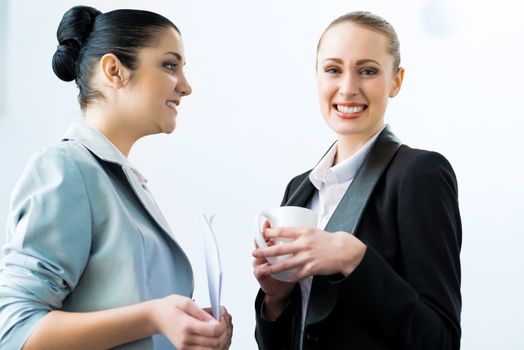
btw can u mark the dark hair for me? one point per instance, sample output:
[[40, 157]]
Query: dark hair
[[86, 34], [372, 22]]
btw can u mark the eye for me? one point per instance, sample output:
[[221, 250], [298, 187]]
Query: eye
[[170, 66], [368, 72], [332, 70]]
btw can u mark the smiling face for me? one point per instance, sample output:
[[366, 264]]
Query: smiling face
[[355, 79], [156, 87]]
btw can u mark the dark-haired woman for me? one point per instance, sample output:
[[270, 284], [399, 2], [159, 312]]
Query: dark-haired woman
[[382, 271], [90, 262]]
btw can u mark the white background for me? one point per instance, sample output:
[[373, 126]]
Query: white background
[[253, 122]]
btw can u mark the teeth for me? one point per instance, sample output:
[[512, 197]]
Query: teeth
[[171, 105], [348, 110]]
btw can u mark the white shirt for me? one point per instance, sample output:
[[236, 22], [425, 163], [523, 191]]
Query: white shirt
[[331, 183]]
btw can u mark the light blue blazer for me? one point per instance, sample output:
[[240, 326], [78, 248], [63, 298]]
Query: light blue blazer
[[84, 234]]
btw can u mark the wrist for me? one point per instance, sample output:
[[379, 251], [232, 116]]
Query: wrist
[[272, 307], [151, 316], [272, 300]]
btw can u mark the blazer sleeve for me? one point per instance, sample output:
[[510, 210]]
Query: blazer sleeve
[[416, 306], [48, 244], [272, 335]]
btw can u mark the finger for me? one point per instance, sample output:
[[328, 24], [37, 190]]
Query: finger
[[211, 328], [226, 316], [192, 309], [263, 230], [286, 232], [277, 250], [223, 311], [261, 272], [197, 341], [291, 263], [301, 272], [225, 338], [208, 310], [259, 262]]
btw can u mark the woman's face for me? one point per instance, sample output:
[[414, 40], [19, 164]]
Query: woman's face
[[157, 86], [355, 78]]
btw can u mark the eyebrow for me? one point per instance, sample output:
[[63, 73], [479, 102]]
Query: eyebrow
[[176, 54], [358, 63]]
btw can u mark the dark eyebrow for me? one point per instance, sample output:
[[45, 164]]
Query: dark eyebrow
[[358, 63], [176, 54]]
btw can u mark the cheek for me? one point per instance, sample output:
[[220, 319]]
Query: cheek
[[378, 93], [325, 90]]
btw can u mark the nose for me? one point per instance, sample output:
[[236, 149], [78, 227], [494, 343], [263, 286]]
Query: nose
[[349, 85], [183, 87]]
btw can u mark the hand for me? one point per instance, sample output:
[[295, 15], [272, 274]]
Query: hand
[[315, 252], [187, 326], [273, 288], [226, 318], [276, 292]]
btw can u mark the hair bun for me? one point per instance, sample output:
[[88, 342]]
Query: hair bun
[[72, 33], [64, 60]]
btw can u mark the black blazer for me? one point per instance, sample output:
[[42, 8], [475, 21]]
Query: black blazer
[[405, 294]]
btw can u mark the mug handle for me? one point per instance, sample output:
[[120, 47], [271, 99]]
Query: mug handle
[[259, 236]]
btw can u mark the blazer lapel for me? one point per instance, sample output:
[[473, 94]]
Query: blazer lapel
[[302, 194], [348, 213], [103, 149], [146, 199], [347, 216]]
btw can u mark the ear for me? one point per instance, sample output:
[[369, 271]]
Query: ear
[[113, 71], [397, 82]]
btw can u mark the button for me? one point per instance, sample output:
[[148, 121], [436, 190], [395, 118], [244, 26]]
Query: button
[[308, 336]]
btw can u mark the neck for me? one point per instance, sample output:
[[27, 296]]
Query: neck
[[348, 145], [115, 131]]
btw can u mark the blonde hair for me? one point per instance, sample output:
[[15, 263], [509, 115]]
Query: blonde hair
[[372, 22]]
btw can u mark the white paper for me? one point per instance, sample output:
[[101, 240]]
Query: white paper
[[213, 265]]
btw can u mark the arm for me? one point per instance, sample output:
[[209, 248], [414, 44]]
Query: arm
[[183, 322], [417, 306], [277, 333], [49, 242], [276, 303]]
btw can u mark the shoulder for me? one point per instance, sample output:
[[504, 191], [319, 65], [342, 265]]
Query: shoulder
[[60, 168], [417, 161], [417, 167], [66, 157]]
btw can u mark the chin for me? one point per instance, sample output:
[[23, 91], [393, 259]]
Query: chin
[[345, 128], [168, 129]]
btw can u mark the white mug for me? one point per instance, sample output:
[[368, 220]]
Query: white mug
[[283, 217]]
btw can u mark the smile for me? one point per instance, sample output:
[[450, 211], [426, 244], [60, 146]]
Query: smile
[[350, 109], [171, 105]]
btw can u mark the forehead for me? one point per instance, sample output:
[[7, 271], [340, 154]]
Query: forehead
[[168, 40], [349, 40]]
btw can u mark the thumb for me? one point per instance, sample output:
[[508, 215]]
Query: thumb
[[195, 311]]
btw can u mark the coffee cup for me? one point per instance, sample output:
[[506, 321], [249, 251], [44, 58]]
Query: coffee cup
[[283, 217]]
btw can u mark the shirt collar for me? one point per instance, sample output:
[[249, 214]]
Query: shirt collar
[[98, 144], [325, 173]]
